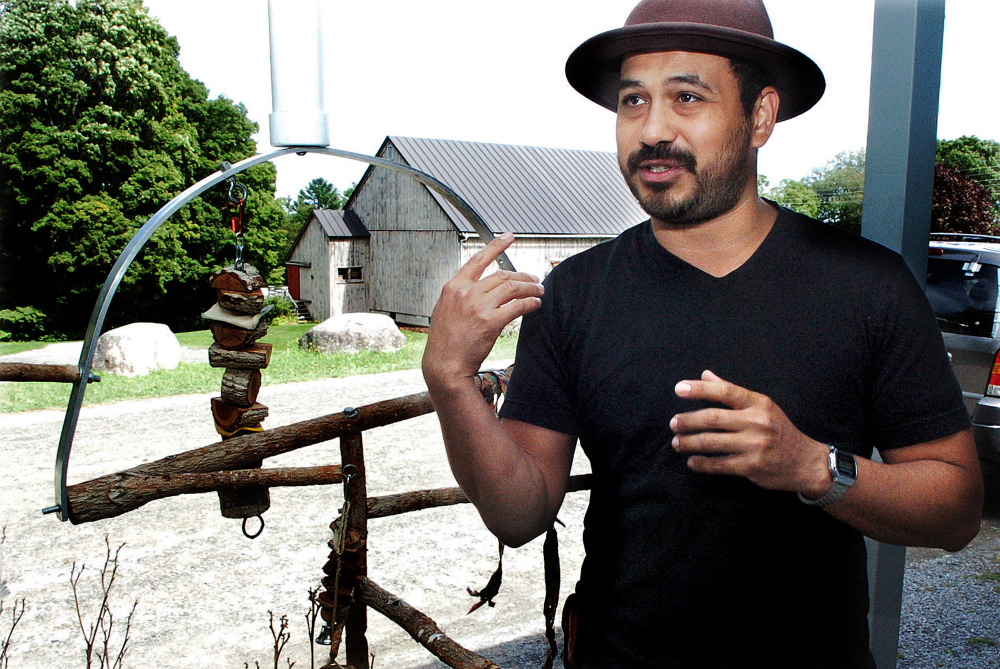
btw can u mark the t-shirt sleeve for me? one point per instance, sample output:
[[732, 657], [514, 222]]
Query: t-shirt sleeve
[[915, 395], [539, 392]]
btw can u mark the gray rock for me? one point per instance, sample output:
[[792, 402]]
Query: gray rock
[[353, 333], [137, 349]]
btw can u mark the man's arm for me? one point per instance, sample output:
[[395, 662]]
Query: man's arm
[[928, 494], [515, 473]]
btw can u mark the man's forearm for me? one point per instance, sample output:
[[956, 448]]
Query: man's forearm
[[919, 503], [506, 484]]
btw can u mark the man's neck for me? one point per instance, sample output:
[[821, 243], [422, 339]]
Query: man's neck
[[721, 245]]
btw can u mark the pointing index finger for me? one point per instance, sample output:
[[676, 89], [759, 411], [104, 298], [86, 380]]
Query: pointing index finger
[[713, 388], [478, 263]]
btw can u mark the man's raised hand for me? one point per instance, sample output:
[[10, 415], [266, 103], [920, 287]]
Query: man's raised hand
[[471, 313]]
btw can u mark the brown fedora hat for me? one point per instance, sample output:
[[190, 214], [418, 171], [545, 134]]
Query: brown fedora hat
[[732, 28]]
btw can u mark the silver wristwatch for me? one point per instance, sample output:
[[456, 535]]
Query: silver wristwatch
[[844, 470]]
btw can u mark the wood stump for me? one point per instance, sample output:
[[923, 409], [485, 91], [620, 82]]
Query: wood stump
[[240, 387]]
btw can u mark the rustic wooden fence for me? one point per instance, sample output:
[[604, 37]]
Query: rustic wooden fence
[[231, 465]]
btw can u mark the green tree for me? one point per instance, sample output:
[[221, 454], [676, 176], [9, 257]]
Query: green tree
[[797, 196], [318, 194], [839, 187], [99, 128]]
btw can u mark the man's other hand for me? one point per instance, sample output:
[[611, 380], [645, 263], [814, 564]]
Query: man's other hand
[[471, 313], [750, 437]]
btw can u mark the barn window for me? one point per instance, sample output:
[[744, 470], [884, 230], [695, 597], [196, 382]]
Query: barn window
[[349, 275]]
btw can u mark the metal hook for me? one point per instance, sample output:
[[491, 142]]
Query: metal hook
[[236, 185], [259, 530], [349, 471]]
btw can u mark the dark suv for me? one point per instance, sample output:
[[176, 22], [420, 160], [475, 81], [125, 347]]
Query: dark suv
[[962, 282]]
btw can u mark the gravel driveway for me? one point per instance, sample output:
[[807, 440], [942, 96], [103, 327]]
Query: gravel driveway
[[204, 590]]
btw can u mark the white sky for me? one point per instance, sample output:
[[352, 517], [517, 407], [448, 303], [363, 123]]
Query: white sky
[[493, 72]]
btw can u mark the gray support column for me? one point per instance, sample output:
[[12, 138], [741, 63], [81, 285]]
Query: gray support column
[[899, 179]]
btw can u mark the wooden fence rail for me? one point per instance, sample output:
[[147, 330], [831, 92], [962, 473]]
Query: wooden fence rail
[[25, 371]]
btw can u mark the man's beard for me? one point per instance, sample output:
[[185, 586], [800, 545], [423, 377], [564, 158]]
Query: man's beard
[[718, 186]]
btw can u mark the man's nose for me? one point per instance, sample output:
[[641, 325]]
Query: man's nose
[[658, 126]]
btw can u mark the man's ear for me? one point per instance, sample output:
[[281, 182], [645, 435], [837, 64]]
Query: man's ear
[[765, 115]]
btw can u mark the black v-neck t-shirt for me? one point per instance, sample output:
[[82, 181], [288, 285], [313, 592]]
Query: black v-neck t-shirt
[[693, 570]]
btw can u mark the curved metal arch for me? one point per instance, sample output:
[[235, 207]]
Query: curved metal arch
[[144, 234]]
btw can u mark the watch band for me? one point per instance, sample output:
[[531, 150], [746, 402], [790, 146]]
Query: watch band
[[843, 475]]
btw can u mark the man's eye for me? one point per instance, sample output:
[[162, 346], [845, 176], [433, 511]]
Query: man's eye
[[687, 98], [631, 101]]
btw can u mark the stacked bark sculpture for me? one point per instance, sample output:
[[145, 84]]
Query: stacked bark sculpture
[[237, 323]]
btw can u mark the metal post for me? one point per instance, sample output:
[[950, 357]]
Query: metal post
[[296, 39], [899, 180]]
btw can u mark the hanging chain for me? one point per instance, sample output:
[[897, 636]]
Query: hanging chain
[[237, 199]]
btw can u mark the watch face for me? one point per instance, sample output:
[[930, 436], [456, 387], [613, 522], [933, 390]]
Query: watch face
[[846, 465]]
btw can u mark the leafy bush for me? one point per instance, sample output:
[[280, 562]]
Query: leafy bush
[[22, 324], [283, 311]]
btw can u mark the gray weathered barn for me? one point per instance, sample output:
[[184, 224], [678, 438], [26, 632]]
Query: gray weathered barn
[[397, 242]]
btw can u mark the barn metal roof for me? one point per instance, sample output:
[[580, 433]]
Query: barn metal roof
[[525, 189], [340, 223]]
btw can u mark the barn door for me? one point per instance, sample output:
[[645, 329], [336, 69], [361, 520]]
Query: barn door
[[293, 281]]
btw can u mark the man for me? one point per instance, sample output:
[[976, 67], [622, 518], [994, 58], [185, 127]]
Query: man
[[728, 367]]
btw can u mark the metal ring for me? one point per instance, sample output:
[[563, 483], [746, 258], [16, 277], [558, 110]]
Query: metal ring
[[233, 185], [259, 530], [349, 474]]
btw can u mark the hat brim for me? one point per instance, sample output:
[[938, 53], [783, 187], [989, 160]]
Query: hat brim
[[594, 67]]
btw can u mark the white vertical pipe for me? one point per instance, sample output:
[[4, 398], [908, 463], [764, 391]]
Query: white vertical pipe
[[297, 117]]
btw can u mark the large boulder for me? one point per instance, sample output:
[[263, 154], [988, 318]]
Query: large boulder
[[137, 350], [353, 333]]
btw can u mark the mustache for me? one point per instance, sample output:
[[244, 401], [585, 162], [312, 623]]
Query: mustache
[[662, 151]]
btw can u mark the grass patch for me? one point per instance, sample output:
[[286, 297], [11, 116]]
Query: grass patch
[[7, 347], [289, 363]]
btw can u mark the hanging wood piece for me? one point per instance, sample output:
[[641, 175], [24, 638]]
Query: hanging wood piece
[[232, 337], [240, 387], [231, 418], [245, 502], [240, 302], [351, 567], [230, 278], [255, 356]]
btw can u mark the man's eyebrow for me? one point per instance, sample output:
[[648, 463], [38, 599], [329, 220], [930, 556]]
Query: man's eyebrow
[[689, 79]]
